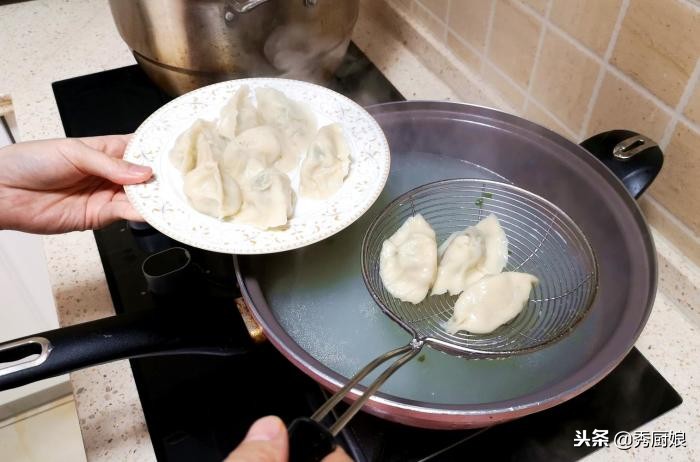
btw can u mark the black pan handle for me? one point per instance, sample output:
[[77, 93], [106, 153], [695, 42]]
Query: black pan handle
[[143, 333], [635, 159], [309, 441]]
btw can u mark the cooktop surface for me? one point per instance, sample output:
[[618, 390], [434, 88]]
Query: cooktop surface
[[199, 407]]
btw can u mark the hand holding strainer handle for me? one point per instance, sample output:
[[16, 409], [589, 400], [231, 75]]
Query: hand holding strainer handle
[[543, 241]]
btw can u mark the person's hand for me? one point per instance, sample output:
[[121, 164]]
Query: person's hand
[[266, 441], [55, 186]]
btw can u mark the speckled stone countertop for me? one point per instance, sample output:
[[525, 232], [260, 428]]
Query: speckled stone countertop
[[46, 40]]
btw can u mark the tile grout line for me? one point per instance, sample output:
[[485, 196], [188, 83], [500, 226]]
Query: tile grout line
[[425, 9], [538, 52], [447, 22], [675, 221], [603, 68], [555, 118], [539, 105], [487, 42], [693, 81], [466, 44]]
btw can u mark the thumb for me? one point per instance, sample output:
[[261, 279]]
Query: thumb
[[93, 162], [266, 441]]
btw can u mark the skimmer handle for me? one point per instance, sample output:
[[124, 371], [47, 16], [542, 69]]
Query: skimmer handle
[[310, 441]]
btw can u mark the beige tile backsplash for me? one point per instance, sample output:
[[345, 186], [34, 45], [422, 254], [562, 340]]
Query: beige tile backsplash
[[678, 185], [469, 20], [589, 21], [658, 45], [621, 105], [564, 80], [581, 67], [692, 110], [514, 38]]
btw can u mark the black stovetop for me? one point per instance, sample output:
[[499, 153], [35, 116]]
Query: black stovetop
[[199, 407]]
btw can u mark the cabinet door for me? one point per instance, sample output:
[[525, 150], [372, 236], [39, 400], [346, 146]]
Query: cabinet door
[[26, 302]]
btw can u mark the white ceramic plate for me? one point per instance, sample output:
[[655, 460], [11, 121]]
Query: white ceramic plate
[[163, 204]]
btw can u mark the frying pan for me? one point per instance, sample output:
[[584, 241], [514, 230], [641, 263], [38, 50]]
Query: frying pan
[[312, 305]]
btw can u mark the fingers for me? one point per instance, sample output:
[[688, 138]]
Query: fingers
[[112, 145], [266, 441], [91, 161], [337, 456], [117, 210]]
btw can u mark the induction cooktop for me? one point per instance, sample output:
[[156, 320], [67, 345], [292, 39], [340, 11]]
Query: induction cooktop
[[199, 407]]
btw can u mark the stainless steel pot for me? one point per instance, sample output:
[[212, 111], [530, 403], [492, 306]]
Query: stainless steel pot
[[186, 44]]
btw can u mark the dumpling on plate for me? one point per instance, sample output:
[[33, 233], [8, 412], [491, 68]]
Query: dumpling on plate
[[268, 199], [211, 193], [293, 120], [326, 164], [238, 114], [491, 302], [408, 260], [469, 255], [183, 155], [210, 146], [251, 152]]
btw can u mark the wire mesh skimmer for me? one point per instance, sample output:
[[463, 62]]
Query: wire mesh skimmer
[[542, 240]]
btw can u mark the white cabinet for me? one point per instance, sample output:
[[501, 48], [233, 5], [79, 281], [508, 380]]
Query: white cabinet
[[25, 292]]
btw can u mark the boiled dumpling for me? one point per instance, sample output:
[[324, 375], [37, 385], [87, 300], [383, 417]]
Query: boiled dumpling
[[458, 261], [210, 145], [496, 245], [251, 152], [295, 123], [408, 260], [326, 164], [183, 155], [268, 199], [491, 302], [238, 114], [467, 256], [211, 193]]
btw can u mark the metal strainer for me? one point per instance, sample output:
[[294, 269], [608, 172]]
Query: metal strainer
[[542, 240]]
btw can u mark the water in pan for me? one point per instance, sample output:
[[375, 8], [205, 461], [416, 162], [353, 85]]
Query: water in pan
[[319, 297]]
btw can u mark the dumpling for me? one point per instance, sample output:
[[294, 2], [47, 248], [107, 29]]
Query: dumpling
[[458, 261], [496, 244], [326, 164], [408, 260], [211, 193], [251, 152], [295, 123], [238, 114], [491, 302], [268, 199], [183, 155], [467, 256], [210, 145]]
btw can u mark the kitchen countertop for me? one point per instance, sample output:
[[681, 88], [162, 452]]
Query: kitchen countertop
[[45, 40]]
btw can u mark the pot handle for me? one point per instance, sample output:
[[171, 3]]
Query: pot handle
[[635, 159], [132, 335]]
